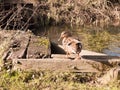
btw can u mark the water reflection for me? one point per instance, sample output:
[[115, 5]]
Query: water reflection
[[111, 53], [112, 50]]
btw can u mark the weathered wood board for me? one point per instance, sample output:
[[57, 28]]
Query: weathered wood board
[[60, 63], [54, 64]]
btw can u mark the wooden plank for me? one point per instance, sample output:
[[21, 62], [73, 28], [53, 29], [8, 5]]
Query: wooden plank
[[87, 52], [54, 64], [62, 64]]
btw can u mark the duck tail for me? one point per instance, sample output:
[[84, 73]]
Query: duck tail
[[79, 46]]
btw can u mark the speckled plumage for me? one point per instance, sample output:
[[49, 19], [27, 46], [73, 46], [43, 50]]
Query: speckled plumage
[[70, 44]]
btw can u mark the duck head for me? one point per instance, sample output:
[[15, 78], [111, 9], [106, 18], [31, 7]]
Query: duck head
[[64, 34]]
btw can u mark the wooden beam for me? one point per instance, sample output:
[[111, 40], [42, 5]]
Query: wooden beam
[[62, 64]]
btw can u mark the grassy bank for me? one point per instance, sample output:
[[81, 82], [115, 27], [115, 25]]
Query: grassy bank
[[49, 80]]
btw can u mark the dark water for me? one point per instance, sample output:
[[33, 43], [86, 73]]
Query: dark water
[[113, 49]]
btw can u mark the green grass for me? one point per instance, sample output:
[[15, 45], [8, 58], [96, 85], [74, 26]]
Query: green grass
[[43, 41], [50, 80]]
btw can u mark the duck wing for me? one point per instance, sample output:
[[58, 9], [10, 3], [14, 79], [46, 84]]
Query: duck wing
[[74, 47]]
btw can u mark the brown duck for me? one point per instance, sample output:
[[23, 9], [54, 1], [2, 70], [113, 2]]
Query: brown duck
[[70, 44]]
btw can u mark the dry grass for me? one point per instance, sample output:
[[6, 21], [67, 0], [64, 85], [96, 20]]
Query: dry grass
[[83, 12], [71, 12]]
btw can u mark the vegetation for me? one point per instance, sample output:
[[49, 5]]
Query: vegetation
[[56, 12], [43, 41], [80, 12], [101, 13], [40, 80]]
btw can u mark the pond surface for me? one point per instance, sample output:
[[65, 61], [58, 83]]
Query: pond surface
[[105, 40]]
